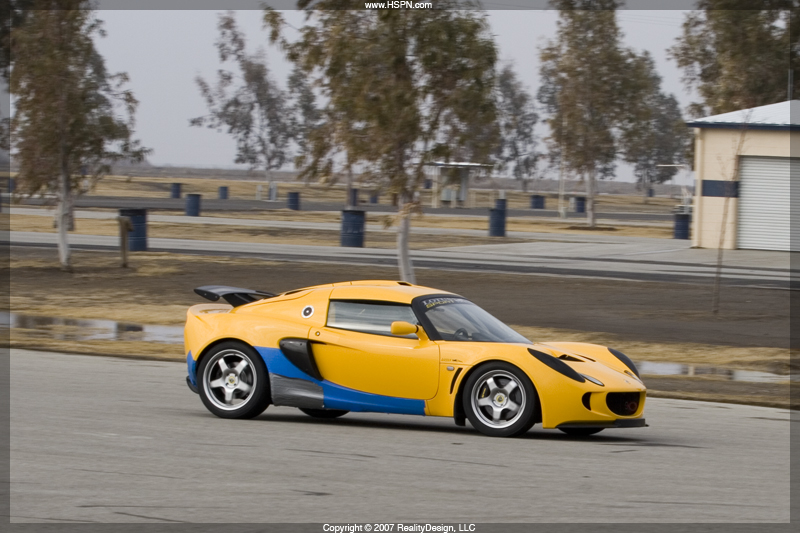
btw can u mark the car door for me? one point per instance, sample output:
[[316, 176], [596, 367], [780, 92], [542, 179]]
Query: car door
[[355, 349]]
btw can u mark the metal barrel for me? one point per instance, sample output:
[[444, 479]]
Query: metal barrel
[[293, 201], [223, 193], [651, 192], [428, 183], [500, 203], [193, 205], [352, 228], [497, 222], [175, 190], [353, 200], [683, 223], [537, 201], [12, 185], [580, 204], [137, 236], [373, 199]]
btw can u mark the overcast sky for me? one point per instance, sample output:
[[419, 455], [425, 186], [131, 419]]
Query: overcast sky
[[163, 52]]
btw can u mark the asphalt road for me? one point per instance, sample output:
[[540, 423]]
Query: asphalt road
[[116, 440], [621, 259]]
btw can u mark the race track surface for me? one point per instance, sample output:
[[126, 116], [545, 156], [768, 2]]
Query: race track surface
[[117, 440]]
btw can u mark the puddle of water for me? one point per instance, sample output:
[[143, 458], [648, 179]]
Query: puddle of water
[[79, 329], [677, 369]]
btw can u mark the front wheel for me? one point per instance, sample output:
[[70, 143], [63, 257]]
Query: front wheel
[[500, 401], [324, 413], [233, 381]]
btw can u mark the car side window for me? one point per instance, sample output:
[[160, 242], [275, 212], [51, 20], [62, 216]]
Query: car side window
[[368, 317]]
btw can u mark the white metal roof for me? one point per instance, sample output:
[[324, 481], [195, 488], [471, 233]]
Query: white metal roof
[[782, 115]]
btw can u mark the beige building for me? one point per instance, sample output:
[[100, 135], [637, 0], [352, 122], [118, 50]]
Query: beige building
[[759, 191]]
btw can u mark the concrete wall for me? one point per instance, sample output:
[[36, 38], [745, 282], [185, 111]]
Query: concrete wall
[[715, 159]]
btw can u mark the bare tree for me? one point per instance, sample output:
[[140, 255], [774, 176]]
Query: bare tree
[[248, 103], [517, 119]]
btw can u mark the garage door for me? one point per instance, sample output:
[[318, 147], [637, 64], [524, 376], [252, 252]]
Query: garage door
[[764, 200]]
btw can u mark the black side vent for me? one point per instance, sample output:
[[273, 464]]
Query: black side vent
[[455, 378], [558, 365], [404, 283], [565, 357]]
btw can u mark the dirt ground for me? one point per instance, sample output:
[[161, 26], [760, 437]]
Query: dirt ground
[[251, 234], [159, 187], [373, 239], [750, 333]]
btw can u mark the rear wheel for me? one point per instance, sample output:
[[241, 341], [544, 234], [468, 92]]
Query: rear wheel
[[233, 381], [499, 400], [324, 413], [581, 432]]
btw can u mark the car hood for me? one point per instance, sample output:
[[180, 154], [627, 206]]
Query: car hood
[[594, 361]]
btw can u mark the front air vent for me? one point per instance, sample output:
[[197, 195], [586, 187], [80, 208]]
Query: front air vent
[[557, 364], [623, 403], [565, 357], [625, 360], [404, 283], [587, 400]]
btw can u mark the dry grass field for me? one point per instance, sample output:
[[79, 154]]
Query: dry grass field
[[124, 295], [327, 238], [151, 187]]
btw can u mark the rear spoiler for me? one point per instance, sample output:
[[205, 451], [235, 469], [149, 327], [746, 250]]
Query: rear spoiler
[[233, 295]]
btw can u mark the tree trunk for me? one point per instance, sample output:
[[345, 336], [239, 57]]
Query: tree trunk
[[64, 215], [590, 216], [348, 201], [403, 231]]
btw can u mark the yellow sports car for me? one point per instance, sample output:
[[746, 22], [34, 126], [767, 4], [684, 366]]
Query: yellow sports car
[[393, 347]]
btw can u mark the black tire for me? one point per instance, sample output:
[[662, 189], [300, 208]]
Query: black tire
[[222, 391], [511, 423], [324, 413], [581, 432]]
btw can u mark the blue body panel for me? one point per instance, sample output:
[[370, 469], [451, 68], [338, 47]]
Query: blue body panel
[[338, 397], [191, 364]]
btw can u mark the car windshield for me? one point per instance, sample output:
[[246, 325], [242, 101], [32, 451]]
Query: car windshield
[[457, 319]]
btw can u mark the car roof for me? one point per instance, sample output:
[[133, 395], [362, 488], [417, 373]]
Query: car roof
[[382, 290]]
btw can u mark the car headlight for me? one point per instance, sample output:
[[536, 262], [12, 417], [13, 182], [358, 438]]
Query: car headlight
[[593, 380]]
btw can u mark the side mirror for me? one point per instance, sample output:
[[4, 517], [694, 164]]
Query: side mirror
[[404, 328]]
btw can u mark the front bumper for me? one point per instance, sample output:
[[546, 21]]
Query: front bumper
[[619, 423]]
